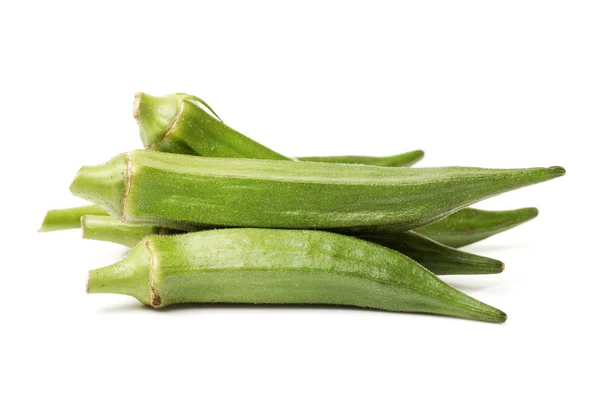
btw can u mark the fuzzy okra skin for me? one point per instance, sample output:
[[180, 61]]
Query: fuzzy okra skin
[[68, 218], [277, 266], [471, 225], [184, 192], [436, 257], [177, 124]]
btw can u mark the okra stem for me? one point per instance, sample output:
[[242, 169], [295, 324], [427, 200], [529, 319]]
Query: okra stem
[[108, 229], [68, 218]]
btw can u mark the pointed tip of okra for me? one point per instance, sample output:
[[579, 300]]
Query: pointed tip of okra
[[502, 317], [493, 267], [487, 313], [557, 170], [531, 212], [408, 159], [155, 115], [495, 315], [417, 155], [523, 215]]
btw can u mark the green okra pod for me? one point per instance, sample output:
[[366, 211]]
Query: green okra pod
[[436, 257], [184, 192], [177, 123], [108, 229], [398, 160], [276, 266], [471, 225], [461, 228], [68, 218]]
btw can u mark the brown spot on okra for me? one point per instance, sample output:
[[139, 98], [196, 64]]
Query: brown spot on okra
[[171, 128], [155, 300], [136, 105]]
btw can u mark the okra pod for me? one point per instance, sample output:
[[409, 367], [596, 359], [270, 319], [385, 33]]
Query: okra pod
[[471, 225], [398, 160], [461, 228], [276, 266], [68, 218], [436, 257], [184, 192], [177, 124]]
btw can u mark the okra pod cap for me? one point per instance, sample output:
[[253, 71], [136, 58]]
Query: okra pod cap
[[155, 116], [178, 124]]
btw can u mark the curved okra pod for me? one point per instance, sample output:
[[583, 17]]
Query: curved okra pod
[[275, 266], [397, 160], [184, 192], [177, 123], [436, 257], [461, 228], [68, 218], [471, 225]]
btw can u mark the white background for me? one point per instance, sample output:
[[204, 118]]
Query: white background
[[478, 83]]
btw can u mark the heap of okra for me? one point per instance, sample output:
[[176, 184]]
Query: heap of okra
[[213, 216]]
